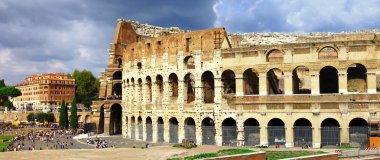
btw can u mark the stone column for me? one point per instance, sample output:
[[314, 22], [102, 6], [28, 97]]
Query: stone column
[[218, 94], [166, 130], [240, 133], [180, 93], [263, 84], [288, 83], [371, 82], [154, 129], [218, 131], [264, 134], [181, 129], [165, 94], [289, 136], [342, 76], [316, 131], [198, 93], [239, 84], [315, 83], [144, 129], [123, 124], [198, 133], [107, 121]]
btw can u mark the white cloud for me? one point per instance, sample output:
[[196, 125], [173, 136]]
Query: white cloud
[[297, 15], [5, 56]]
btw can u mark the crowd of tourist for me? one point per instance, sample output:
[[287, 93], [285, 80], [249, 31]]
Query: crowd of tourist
[[99, 143]]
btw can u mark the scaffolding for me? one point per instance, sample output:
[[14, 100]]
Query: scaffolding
[[374, 130]]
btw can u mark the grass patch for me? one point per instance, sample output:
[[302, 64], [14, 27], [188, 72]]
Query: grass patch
[[4, 141], [224, 152], [7, 136], [273, 155], [347, 147], [187, 147]]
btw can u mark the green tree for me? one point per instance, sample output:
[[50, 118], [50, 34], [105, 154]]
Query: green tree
[[63, 117], [50, 117], [2, 83], [74, 114], [6, 92], [30, 117], [41, 117], [87, 87]]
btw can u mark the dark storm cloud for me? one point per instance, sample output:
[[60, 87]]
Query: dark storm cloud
[[62, 35]]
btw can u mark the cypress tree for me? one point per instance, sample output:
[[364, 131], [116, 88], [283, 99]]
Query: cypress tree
[[63, 117], [74, 114]]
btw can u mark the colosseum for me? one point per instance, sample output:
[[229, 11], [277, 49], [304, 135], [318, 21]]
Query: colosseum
[[289, 89]]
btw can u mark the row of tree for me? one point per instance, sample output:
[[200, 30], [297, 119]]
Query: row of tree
[[41, 117], [64, 118]]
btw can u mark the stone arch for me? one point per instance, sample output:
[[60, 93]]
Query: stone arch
[[327, 52], [160, 129], [208, 87], [173, 130], [251, 82], [301, 80], [149, 88], [358, 132], [229, 81], [229, 132], [189, 88], [190, 129], [189, 62], [275, 81], [139, 65], [160, 88], [119, 62], [302, 131], [115, 119], [357, 78], [275, 55], [330, 132], [328, 80], [87, 119], [208, 131], [133, 127], [149, 129], [116, 91], [251, 132], [101, 120], [173, 85], [117, 75], [140, 124], [276, 132]]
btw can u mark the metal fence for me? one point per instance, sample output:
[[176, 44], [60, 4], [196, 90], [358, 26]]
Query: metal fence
[[229, 135], [359, 136], [149, 132], [330, 136], [276, 135], [190, 132], [173, 130], [140, 131], [133, 131], [251, 135], [302, 136], [208, 135], [160, 132]]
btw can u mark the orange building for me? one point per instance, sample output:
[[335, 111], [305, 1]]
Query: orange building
[[44, 91]]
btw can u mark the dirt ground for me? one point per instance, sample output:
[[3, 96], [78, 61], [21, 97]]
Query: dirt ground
[[153, 153]]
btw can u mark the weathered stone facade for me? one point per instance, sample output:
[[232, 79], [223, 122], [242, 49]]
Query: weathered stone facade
[[205, 86]]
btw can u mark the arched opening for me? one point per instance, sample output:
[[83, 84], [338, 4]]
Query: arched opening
[[189, 62], [139, 66], [87, 119], [328, 52], [275, 78], [229, 132], [101, 120], [133, 127], [301, 80], [275, 56], [356, 78], [160, 89], [229, 82], [115, 119], [276, 132], [133, 87], [208, 87], [126, 125], [189, 85], [173, 85], [358, 132], [116, 91], [149, 89], [173, 129], [330, 135], [119, 62], [251, 82], [328, 80], [140, 124], [302, 133], [149, 129], [251, 132], [160, 129], [140, 94], [208, 131], [117, 75], [80, 119], [190, 130]]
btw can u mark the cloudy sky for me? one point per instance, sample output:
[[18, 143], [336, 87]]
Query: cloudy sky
[[44, 36]]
